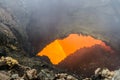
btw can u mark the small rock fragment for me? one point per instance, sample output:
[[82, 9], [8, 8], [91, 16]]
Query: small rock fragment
[[4, 76], [14, 76], [31, 74], [104, 74]]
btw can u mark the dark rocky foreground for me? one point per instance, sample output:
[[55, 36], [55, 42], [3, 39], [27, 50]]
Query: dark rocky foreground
[[11, 69]]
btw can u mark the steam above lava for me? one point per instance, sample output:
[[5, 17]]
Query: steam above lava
[[58, 50]]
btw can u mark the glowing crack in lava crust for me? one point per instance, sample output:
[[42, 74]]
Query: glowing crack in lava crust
[[58, 50]]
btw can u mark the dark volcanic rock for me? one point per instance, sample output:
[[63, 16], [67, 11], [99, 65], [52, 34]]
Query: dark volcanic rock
[[45, 74], [84, 61], [12, 35], [15, 71], [8, 40]]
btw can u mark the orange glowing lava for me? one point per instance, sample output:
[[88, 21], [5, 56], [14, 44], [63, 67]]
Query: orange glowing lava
[[60, 49]]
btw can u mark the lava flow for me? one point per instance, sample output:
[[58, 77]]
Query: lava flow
[[58, 50]]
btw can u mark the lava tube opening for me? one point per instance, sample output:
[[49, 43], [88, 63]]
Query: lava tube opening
[[59, 49]]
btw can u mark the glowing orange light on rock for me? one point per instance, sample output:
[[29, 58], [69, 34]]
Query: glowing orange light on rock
[[60, 49]]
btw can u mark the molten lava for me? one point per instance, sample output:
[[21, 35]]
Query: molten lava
[[60, 49]]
